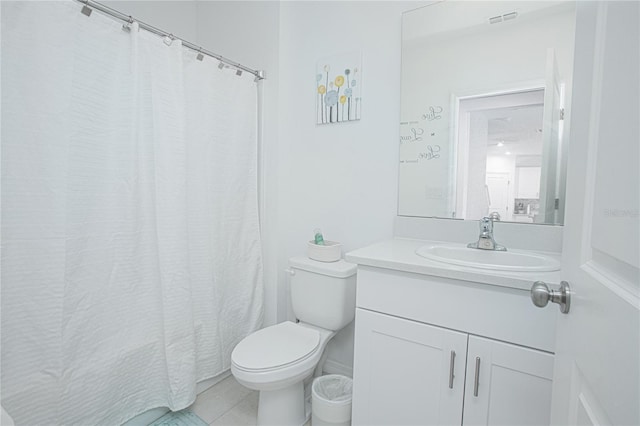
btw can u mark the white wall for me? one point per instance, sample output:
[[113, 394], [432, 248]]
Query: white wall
[[243, 31], [339, 177], [176, 16], [501, 164]]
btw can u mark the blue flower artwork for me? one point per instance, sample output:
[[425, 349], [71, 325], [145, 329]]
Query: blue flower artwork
[[338, 88]]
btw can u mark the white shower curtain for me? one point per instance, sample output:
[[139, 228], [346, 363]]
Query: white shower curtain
[[131, 256]]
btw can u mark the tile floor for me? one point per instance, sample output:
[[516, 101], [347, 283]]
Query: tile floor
[[228, 403]]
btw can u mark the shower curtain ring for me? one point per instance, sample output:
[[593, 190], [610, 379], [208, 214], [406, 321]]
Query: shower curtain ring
[[86, 10], [127, 25], [200, 56], [169, 39]]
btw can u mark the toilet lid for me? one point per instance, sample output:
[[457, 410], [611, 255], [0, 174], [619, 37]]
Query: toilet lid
[[275, 346]]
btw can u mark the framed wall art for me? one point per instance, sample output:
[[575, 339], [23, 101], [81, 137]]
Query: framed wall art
[[338, 88]]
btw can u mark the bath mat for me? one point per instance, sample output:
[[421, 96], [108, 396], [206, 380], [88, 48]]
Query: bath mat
[[179, 418]]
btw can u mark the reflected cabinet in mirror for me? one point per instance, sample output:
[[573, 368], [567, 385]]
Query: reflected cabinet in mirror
[[483, 129]]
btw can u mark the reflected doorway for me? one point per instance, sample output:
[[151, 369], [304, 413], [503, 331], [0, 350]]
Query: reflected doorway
[[501, 156]]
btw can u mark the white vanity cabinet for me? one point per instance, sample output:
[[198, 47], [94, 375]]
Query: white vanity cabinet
[[438, 351]]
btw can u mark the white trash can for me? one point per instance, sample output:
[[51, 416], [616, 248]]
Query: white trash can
[[331, 400]]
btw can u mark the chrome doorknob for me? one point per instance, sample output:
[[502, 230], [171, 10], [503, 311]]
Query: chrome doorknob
[[541, 295]]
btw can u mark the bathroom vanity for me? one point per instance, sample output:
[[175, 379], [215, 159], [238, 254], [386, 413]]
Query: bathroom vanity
[[444, 344]]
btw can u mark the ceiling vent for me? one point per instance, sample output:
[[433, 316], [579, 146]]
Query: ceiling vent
[[503, 18]]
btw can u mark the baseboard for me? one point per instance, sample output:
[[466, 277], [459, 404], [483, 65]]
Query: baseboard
[[334, 367], [207, 383]]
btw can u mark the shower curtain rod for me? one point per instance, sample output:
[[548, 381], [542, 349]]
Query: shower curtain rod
[[260, 74]]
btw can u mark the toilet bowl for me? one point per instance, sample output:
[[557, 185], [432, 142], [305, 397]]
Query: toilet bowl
[[276, 360], [277, 356]]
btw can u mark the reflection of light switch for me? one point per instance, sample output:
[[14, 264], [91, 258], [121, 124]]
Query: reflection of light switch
[[433, 193]]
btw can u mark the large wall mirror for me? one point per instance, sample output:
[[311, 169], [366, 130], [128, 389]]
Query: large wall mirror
[[483, 130]]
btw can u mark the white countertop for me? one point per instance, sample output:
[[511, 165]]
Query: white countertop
[[400, 254]]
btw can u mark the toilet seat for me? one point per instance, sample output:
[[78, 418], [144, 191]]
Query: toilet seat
[[275, 347]]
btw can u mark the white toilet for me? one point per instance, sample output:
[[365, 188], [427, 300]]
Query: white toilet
[[276, 359]]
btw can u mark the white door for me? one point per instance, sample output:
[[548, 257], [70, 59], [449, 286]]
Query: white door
[[403, 370], [550, 141], [498, 194], [506, 384], [596, 372]]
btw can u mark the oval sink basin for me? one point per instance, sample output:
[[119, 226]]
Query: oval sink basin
[[511, 260]]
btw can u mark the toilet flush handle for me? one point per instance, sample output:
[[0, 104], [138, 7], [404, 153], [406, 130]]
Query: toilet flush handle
[[291, 272]]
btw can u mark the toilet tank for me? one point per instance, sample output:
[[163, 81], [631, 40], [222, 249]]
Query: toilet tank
[[323, 294]]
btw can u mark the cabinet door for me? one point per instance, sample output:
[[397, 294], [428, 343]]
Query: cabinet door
[[513, 385], [402, 372], [528, 182]]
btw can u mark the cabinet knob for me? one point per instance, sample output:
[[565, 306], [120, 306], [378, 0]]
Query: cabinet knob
[[541, 294]]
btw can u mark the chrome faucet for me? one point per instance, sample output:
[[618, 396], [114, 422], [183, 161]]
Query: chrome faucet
[[485, 240]]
